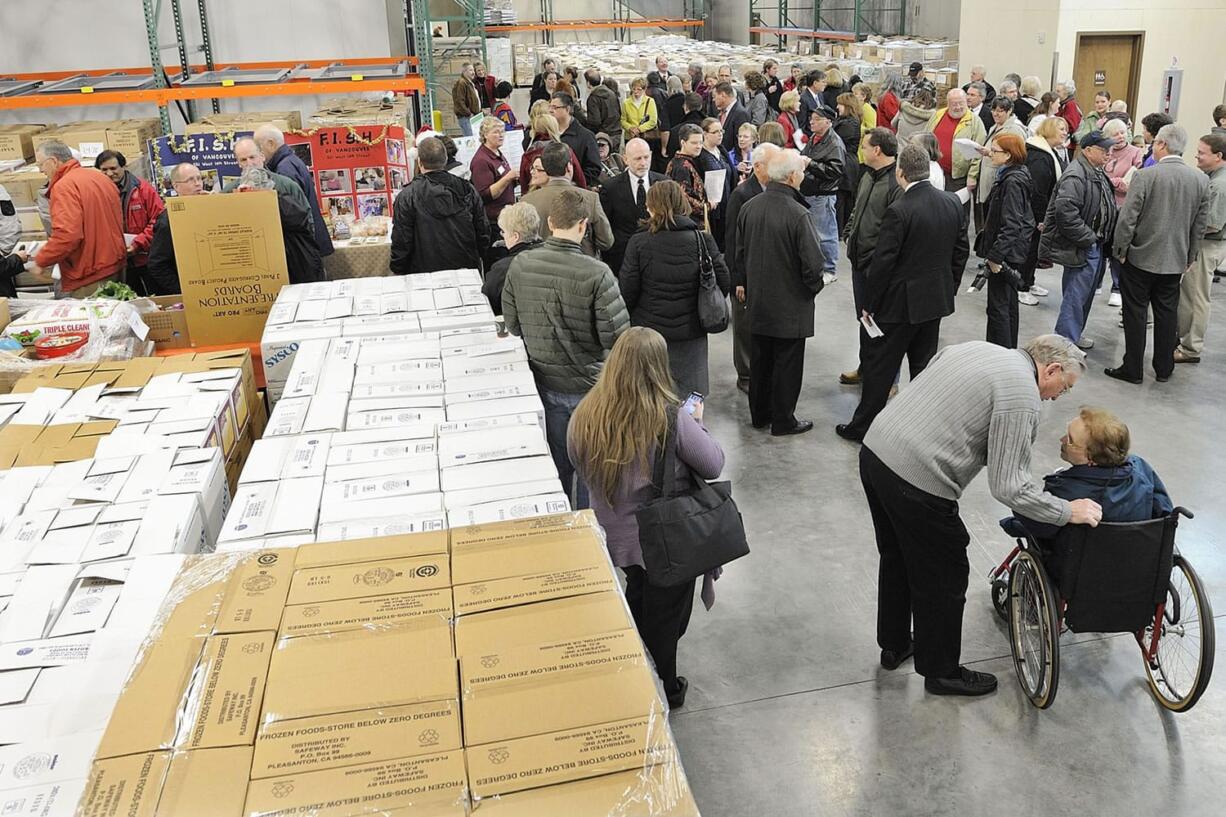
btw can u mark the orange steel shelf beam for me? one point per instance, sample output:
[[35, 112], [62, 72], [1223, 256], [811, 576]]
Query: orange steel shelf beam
[[845, 36], [579, 25], [97, 72], [163, 96]]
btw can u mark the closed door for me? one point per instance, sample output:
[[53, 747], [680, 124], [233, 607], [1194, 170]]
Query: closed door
[[1107, 62]]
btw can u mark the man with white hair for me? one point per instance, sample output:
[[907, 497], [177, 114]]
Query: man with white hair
[[745, 191], [977, 75], [279, 158], [302, 260], [1156, 239], [780, 262], [978, 405]]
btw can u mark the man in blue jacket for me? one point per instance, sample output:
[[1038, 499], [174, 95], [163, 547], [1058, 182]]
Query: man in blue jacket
[[1096, 448], [278, 158]]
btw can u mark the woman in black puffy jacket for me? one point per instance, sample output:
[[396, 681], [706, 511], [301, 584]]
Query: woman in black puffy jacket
[[659, 282], [1006, 237]]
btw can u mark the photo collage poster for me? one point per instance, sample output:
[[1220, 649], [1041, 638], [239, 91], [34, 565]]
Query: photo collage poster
[[353, 178], [211, 153]]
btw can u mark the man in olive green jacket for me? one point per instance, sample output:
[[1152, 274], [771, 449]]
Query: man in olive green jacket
[[567, 307], [949, 124]]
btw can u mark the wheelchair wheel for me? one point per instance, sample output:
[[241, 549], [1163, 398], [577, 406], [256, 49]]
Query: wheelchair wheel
[[1183, 664], [1000, 595], [1034, 630]]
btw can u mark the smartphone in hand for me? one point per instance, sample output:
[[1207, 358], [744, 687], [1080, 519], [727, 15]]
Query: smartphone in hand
[[692, 402]]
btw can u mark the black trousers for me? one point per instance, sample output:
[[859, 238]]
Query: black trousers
[[1002, 312], [880, 359], [740, 341], [923, 570], [776, 369], [1140, 290], [661, 615]]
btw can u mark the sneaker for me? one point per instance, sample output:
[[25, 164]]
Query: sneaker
[[1115, 300], [829, 277], [1085, 343], [1038, 291], [1098, 291], [1027, 299]]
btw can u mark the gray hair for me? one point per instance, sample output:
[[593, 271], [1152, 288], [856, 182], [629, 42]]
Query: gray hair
[[269, 133], [674, 84], [1048, 349], [1175, 137], [1007, 85], [764, 152], [977, 69], [981, 87], [521, 218], [1113, 126], [1032, 86], [257, 178], [55, 149], [892, 82], [1069, 86], [784, 164]]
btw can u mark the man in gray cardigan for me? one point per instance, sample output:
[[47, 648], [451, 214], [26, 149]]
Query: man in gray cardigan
[[1156, 239], [976, 405]]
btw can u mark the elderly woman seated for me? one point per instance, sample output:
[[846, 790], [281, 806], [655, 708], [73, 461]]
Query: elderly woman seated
[[1095, 446]]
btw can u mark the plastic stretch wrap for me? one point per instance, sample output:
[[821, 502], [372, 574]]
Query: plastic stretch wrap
[[341, 679], [116, 330]]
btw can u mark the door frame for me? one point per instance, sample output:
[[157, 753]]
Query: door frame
[[1134, 77]]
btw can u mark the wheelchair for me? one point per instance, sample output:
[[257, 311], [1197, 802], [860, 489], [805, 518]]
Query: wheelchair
[[1113, 578]]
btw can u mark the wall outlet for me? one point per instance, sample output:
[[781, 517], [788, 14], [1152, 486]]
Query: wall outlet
[[1042, 37]]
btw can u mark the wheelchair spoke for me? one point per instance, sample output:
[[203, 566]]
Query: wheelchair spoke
[[1177, 666]]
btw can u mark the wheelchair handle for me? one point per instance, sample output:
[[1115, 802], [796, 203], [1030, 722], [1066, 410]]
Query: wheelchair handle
[[1182, 511]]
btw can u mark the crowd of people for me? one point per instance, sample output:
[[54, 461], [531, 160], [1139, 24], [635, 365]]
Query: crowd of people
[[601, 262]]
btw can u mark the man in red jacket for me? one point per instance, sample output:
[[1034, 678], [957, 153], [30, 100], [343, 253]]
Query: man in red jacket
[[86, 224], [141, 205]]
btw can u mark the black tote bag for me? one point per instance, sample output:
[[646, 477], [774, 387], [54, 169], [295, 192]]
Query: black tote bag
[[689, 528]]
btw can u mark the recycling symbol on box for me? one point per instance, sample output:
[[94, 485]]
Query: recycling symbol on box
[[428, 737], [310, 612], [499, 756], [282, 789], [489, 661]]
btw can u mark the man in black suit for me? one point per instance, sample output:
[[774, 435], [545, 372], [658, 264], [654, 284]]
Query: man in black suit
[[730, 112], [624, 199], [977, 75], [745, 191], [693, 116], [918, 261], [779, 257]]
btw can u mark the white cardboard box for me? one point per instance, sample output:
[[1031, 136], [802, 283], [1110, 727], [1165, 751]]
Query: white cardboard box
[[500, 472], [507, 509]]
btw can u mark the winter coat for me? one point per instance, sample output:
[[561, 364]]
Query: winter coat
[[1045, 167], [465, 102], [759, 109], [1132, 492], [599, 234], [86, 227], [878, 189], [287, 163], [969, 127], [10, 267], [778, 255], [887, 108], [1075, 206], [987, 172], [162, 271], [688, 172], [1163, 218], [141, 206], [536, 149], [641, 114], [790, 125], [496, 276], [827, 168], [567, 307], [504, 112], [1071, 113], [659, 279], [1010, 223], [603, 113], [438, 223], [910, 120], [10, 222], [582, 143]]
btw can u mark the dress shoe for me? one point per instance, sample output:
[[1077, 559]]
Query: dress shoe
[[1161, 378], [676, 698], [845, 431], [800, 428], [967, 682], [891, 660], [1119, 374], [762, 425], [1183, 357], [851, 378]]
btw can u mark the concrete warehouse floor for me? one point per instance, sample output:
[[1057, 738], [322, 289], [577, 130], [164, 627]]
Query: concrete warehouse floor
[[789, 712]]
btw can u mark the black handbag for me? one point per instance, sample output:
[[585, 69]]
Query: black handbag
[[712, 304], [687, 530]]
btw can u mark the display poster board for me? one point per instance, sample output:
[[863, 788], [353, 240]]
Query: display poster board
[[231, 261], [211, 153], [358, 169]]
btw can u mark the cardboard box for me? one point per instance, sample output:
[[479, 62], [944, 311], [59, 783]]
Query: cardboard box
[[429, 786], [378, 612], [371, 549], [206, 783], [660, 791], [533, 587], [222, 709], [246, 120], [308, 745], [255, 592], [364, 579], [548, 621], [126, 786], [16, 141], [502, 510]]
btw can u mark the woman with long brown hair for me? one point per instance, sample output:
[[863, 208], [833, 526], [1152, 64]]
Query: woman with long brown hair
[[613, 440], [659, 281]]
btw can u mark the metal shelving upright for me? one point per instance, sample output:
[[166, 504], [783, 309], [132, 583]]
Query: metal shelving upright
[[465, 34], [818, 19]]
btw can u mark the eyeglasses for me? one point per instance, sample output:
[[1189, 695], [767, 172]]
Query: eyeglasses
[[1068, 387]]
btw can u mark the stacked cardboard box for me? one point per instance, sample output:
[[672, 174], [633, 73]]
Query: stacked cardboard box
[[245, 121], [357, 111], [17, 142], [63, 413], [89, 138], [493, 668]]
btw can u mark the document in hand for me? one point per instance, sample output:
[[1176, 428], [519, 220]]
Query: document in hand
[[969, 148], [713, 180], [871, 327]]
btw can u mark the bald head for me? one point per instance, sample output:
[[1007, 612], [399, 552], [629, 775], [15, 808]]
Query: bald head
[[637, 154], [269, 138], [247, 153]]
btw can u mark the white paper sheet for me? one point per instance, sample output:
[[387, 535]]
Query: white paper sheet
[[968, 148], [713, 181]]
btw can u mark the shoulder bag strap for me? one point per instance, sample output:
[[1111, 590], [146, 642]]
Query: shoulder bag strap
[[664, 474]]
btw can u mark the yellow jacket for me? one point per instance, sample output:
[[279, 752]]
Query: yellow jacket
[[641, 115], [868, 121], [969, 127]]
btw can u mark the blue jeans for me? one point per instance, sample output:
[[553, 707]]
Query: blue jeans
[[826, 224], [559, 406], [1115, 266], [466, 126], [1079, 285]]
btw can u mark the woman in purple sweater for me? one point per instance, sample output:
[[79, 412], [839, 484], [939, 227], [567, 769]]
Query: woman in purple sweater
[[613, 440]]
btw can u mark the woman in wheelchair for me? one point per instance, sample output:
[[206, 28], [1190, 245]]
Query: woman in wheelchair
[[1095, 445]]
